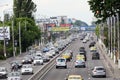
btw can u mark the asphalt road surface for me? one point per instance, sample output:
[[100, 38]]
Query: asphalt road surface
[[62, 74]]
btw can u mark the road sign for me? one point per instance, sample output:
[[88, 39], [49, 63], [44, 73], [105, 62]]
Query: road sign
[[5, 33]]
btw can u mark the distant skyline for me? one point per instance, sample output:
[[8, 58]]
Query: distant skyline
[[78, 9]]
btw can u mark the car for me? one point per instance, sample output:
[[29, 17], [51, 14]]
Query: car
[[80, 63], [80, 57], [27, 60], [98, 71], [82, 48], [3, 72], [38, 60], [46, 58], [82, 52], [74, 77], [61, 62], [14, 76], [92, 44], [84, 41], [93, 49], [95, 55], [26, 69], [48, 54], [67, 55]]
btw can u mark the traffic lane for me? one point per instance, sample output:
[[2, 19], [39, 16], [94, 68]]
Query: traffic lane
[[92, 63], [60, 74]]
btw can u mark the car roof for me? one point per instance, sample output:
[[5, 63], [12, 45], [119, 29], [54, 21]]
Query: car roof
[[98, 67], [75, 76], [15, 73]]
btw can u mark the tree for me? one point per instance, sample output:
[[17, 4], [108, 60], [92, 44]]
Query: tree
[[103, 9], [24, 8]]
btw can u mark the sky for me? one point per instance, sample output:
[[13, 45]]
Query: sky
[[78, 9]]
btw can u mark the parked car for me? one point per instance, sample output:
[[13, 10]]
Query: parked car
[[80, 63], [14, 76], [74, 77], [95, 55], [61, 62], [98, 71], [27, 69], [3, 72]]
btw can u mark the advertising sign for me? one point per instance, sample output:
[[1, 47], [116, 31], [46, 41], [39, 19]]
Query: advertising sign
[[4, 33], [55, 29]]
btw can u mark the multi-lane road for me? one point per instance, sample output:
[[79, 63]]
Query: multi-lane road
[[61, 74]]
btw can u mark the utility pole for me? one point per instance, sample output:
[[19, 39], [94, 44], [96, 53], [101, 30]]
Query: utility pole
[[20, 37], [13, 39], [118, 40]]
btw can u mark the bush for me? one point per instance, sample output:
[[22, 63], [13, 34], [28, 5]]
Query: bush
[[2, 57]]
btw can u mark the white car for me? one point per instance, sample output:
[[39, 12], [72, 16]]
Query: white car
[[27, 69], [61, 62], [38, 60], [98, 71], [14, 76], [52, 52], [49, 54], [3, 72], [84, 41]]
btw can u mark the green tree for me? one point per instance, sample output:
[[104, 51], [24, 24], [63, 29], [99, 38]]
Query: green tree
[[24, 8], [97, 31], [103, 9]]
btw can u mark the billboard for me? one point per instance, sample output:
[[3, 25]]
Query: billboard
[[56, 29], [4, 33]]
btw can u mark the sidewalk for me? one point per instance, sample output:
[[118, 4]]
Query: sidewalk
[[111, 65]]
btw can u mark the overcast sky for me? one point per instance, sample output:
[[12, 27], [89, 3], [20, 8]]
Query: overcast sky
[[78, 9]]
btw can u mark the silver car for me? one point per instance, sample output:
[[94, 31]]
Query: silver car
[[14, 76], [80, 63], [3, 72], [98, 71]]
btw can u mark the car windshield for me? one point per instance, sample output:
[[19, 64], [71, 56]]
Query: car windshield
[[26, 66], [1, 69], [61, 60], [14, 74], [99, 68], [75, 78]]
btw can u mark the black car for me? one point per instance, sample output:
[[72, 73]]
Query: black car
[[95, 55], [27, 60], [92, 44], [82, 48]]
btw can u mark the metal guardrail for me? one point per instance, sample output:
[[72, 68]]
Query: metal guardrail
[[46, 68]]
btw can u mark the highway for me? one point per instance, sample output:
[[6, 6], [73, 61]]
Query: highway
[[61, 74]]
